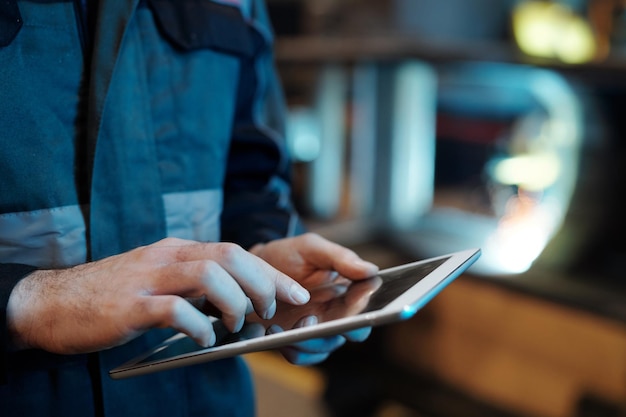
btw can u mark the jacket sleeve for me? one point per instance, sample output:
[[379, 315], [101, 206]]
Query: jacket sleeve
[[258, 205], [10, 275]]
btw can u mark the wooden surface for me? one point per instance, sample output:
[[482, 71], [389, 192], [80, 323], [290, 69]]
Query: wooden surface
[[521, 353]]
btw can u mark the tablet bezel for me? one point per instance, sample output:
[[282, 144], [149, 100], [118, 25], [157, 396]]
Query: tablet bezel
[[401, 308]]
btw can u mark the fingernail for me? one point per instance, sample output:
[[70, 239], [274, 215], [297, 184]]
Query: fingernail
[[309, 321], [273, 329], [366, 265], [299, 294], [239, 324], [269, 313], [208, 341]]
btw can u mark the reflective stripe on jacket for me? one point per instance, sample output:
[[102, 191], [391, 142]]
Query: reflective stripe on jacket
[[175, 130], [157, 121]]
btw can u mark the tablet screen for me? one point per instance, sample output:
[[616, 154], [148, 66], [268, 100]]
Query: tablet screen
[[340, 299], [337, 307]]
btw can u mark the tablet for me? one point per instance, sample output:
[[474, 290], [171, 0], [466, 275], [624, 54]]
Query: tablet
[[393, 295]]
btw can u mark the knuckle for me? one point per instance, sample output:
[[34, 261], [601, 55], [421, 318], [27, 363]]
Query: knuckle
[[209, 270], [311, 237], [141, 305], [165, 250], [229, 252], [169, 241], [172, 308], [180, 312]]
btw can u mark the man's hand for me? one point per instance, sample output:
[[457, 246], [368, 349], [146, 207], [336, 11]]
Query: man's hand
[[106, 303], [312, 261]]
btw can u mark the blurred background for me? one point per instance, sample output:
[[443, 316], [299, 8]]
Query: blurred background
[[421, 127]]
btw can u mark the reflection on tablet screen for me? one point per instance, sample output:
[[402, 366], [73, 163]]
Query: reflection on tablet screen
[[340, 299]]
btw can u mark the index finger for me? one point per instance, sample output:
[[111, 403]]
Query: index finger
[[261, 282], [328, 255]]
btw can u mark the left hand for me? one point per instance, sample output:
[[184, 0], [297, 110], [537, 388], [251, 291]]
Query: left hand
[[312, 260]]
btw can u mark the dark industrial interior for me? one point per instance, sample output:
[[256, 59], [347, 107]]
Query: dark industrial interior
[[421, 127]]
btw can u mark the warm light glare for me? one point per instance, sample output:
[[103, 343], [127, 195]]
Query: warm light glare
[[534, 28], [542, 162], [549, 30], [531, 172], [576, 42], [521, 235]]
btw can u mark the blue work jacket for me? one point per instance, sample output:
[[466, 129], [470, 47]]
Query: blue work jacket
[[162, 118]]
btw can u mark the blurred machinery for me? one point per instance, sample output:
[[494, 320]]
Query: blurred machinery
[[419, 127], [469, 155], [437, 152]]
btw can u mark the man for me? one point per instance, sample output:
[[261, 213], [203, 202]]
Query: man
[[143, 183]]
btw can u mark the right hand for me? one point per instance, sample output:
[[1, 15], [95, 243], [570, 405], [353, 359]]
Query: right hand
[[106, 303]]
